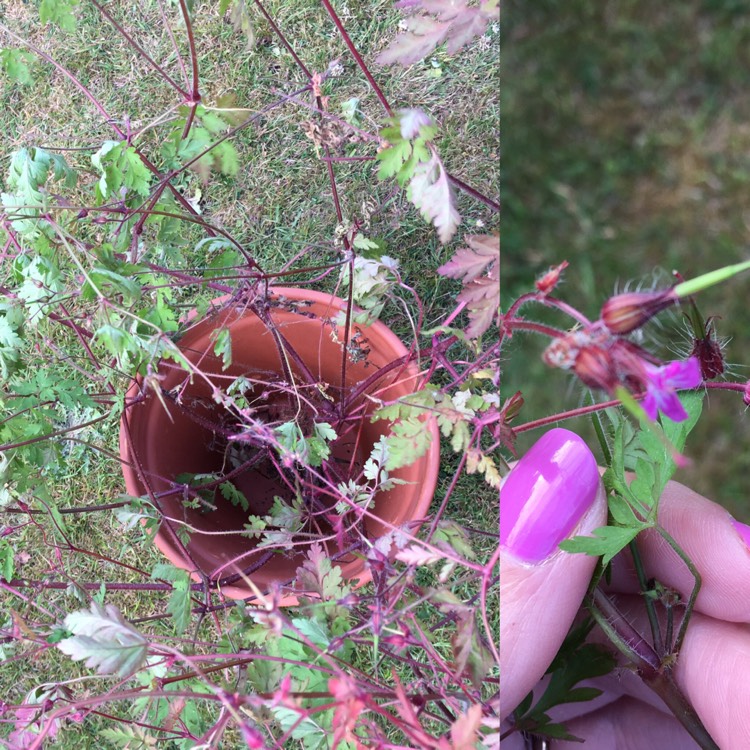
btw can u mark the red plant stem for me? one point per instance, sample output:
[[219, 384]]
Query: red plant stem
[[63, 511], [139, 49], [488, 575], [487, 355], [439, 513], [355, 53], [566, 308], [334, 159], [94, 586], [474, 193], [726, 386], [548, 302], [10, 588], [84, 344], [544, 421], [175, 47], [367, 384], [520, 324], [193, 54], [283, 39], [50, 435]]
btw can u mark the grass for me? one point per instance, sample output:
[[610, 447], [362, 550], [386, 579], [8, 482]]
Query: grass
[[626, 151], [278, 204]]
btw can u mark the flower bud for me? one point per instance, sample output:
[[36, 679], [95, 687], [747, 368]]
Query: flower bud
[[548, 281], [595, 368], [746, 394], [624, 313], [708, 353]]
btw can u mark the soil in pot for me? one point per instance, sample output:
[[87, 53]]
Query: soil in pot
[[188, 433]]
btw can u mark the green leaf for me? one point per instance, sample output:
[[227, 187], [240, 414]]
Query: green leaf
[[621, 511], [313, 736], [58, 12], [7, 560], [30, 170], [455, 537], [607, 541], [120, 165], [178, 150], [576, 661], [222, 339], [408, 441], [235, 496], [392, 159], [105, 280], [179, 604], [313, 631], [16, 64]]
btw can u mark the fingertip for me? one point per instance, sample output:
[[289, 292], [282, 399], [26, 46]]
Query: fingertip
[[542, 587]]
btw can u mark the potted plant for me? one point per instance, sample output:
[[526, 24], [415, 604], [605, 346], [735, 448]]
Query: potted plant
[[258, 391], [278, 430]]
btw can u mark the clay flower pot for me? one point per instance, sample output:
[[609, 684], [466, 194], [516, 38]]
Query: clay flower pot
[[166, 441]]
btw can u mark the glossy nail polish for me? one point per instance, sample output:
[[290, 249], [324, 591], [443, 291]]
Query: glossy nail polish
[[743, 530], [546, 494]]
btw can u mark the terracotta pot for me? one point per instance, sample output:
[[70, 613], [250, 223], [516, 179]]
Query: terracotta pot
[[167, 441]]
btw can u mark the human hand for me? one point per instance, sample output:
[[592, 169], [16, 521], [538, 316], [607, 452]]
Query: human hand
[[554, 493]]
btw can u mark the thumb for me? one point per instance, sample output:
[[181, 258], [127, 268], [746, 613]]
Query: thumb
[[553, 492]]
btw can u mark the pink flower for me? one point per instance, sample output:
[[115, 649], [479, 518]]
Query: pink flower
[[661, 383]]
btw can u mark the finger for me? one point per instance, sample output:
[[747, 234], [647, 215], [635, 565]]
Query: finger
[[713, 671], [715, 543], [627, 724], [554, 492]]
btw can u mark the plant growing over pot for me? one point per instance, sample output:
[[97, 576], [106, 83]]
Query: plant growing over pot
[[265, 452], [278, 441]]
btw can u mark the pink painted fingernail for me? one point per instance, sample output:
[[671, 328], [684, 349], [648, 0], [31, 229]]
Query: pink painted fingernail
[[743, 530], [545, 496]]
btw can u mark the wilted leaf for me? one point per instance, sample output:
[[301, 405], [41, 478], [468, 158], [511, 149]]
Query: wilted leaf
[[430, 191], [465, 728], [469, 262], [316, 574], [415, 554], [421, 37], [242, 22], [105, 639], [434, 22]]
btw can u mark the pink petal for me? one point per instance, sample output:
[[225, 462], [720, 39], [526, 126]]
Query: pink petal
[[685, 374], [670, 406], [650, 406]]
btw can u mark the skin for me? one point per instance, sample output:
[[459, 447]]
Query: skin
[[540, 602]]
